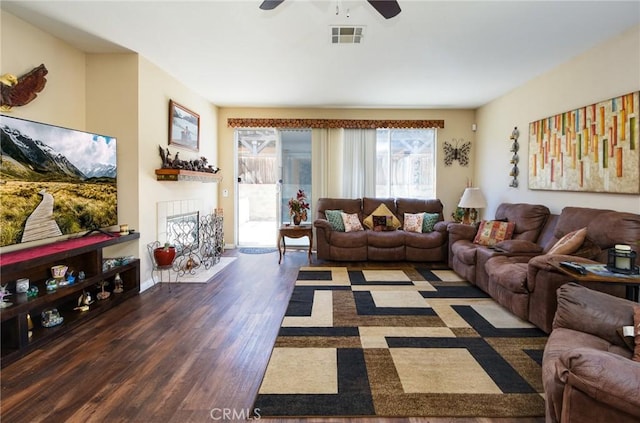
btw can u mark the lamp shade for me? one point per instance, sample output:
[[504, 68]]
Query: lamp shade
[[472, 199]]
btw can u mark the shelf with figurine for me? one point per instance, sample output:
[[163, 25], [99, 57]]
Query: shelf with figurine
[[60, 289], [175, 169]]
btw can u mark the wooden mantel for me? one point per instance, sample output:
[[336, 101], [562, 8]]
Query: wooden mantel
[[186, 175]]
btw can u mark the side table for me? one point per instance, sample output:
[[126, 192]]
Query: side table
[[596, 274], [293, 231]]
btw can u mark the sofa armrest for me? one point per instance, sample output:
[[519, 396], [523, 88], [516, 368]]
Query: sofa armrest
[[604, 376], [460, 231], [323, 230], [323, 223], [586, 310], [441, 226]]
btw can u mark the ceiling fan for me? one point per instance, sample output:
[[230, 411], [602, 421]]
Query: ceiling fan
[[387, 8]]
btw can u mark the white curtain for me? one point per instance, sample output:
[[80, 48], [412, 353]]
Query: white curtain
[[320, 167], [359, 163]]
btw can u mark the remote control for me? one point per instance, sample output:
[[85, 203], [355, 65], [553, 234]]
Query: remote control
[[574, 266]]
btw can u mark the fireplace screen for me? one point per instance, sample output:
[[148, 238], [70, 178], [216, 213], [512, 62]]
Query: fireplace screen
[[183, 232]]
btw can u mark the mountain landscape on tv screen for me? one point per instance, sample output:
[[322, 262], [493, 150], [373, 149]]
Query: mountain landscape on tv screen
[[66, 175]]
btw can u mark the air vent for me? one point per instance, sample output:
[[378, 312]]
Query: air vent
[[347, 34]]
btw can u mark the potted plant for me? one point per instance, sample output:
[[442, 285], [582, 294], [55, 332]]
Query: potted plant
[[164, 255], [298, 207]]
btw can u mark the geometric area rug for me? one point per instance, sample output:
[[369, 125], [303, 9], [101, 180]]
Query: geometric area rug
[[400, 342]]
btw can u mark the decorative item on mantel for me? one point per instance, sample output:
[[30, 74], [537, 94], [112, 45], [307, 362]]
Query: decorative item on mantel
[[514, 159], [176, 169], [197, 165], [298, 207]]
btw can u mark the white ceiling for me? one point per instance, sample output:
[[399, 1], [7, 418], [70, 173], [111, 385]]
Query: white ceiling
[[435, 54]]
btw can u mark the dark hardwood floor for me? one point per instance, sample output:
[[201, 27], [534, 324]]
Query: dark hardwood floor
[[184, 355]]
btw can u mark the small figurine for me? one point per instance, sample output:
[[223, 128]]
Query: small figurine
[[117, 282], [32, 292], [103, 295], [4, 293], [85, 299]]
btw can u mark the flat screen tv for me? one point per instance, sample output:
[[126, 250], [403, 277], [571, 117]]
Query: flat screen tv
[[54, 181]]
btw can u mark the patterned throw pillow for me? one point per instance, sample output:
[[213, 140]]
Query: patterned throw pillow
[[335, 219], [381, 210], [491, 232], [413, 222], [382, 223], [351, 222], [570, 243], [429, 221]]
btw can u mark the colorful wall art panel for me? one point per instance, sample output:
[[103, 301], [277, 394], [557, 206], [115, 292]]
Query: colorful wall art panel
[[591, 149]]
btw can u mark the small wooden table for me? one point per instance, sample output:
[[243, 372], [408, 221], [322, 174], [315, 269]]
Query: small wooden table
[[632, 284], [292, 231]]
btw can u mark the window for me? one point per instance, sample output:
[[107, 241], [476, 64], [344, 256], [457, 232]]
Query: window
[[405, 163]]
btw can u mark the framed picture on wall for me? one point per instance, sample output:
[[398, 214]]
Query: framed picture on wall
[[184, 127]]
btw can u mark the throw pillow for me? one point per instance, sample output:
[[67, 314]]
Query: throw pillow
[[569, 243], [429, 221], [382, 223], [381, 210], [335, 219], [636, 324], [351, 222], [413, 222], [491, 232]]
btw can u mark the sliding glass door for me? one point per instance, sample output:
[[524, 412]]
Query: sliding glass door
[[271, 166], [295, 169], [257, 186]]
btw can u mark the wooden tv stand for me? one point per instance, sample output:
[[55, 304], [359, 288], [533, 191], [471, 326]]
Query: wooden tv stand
[[79, 254]]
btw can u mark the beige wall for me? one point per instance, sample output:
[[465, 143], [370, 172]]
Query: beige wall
[[608, 70], [122, 95], [24, 47], [156, 88], [450, 183], [112, 109]]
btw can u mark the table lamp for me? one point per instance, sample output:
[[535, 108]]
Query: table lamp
[[472, 199]]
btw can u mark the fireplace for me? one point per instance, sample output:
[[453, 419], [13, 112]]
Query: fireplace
[[198, 237]]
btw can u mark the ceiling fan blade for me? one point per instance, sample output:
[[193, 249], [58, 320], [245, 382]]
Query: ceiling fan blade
[[270, 4], [387, 8]]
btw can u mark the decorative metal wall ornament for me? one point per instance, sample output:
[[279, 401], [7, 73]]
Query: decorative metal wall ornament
[[17, 92], [514, 159], [457, 150]]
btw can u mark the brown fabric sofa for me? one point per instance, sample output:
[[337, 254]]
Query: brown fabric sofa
[[587, 371], [518, 275], [605, 229], [464, 255], [365, 245]]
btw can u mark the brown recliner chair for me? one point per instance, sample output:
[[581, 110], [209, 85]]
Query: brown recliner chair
[[587, 371]]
